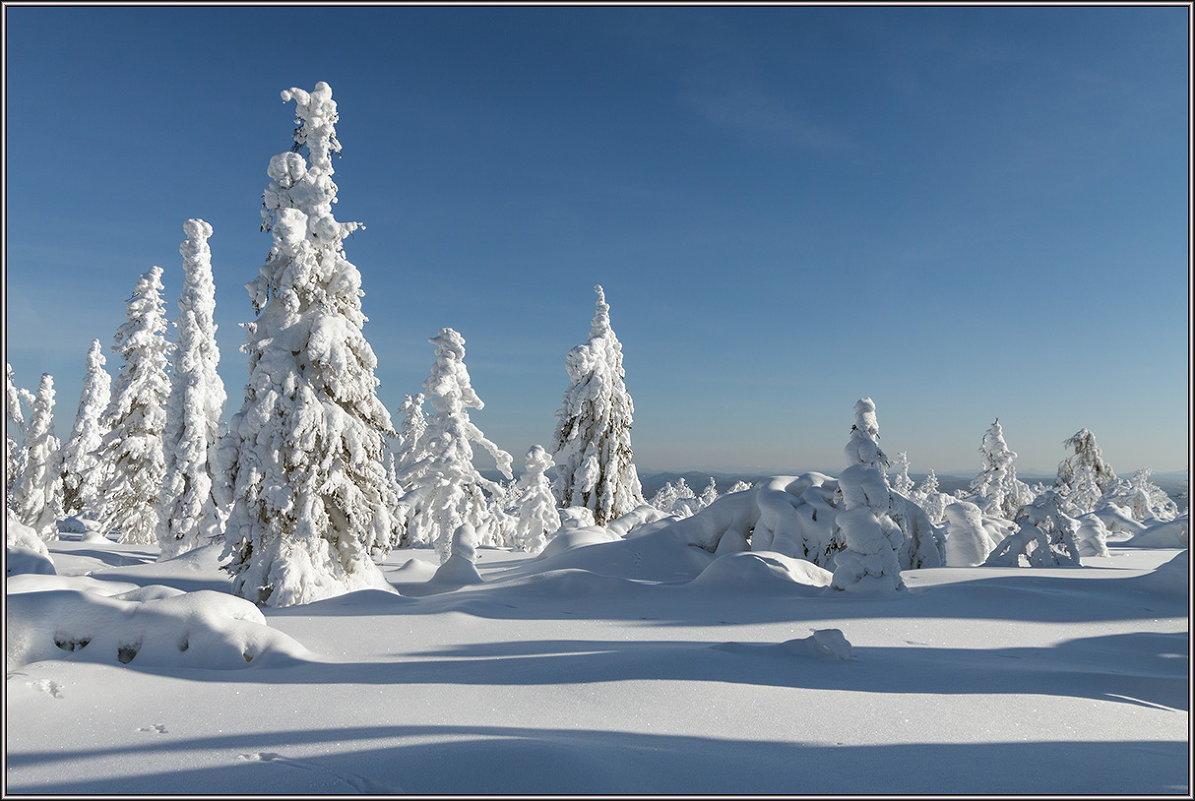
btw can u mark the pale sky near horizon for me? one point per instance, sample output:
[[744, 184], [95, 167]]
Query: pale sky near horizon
[[964, 213]]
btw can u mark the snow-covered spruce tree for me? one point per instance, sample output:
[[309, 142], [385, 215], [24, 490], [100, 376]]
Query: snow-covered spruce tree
[[82, 469], [14, 449], [998, 491], [1086, 453], [131, 451], [307, 486], [444, 489], [929, 497], [709, 494], [538, 517], [1045, 536], [592, 442], [901, 481], [189, 515], [409, 448], [871, 537], [37, 495]]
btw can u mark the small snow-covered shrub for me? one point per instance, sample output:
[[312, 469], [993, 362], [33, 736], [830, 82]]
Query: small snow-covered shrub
[[1045, 537]]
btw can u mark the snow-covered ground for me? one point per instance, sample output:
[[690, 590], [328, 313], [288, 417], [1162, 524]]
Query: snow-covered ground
[[634, 665]]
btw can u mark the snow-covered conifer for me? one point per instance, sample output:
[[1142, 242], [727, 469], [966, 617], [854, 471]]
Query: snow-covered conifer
[[900, 466], [189, 515], [82, 469], [1086, 454], [1045, 536], [709, 494], [872, 539], [132, 452], [930, 498], [14, 449], [592, 442], [998, 491], [738, 486], [538, 517], [445, 489], [37, 495], [307, 485], [411, 444]]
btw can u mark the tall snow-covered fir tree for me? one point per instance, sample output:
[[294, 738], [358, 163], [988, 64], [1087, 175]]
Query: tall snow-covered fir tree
[[14, 449], [37, 495], [592, 442], [872, 539], [82, 469], [189, 515], [307, 485], [132, 453], [999, 492], [445, 489]]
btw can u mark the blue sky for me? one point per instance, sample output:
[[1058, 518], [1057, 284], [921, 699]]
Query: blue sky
[[964, 213]]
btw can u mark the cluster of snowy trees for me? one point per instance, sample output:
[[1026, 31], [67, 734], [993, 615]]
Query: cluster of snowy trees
[[309, 484]]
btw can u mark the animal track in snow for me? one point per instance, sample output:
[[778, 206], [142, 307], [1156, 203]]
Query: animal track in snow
[[360, 784]]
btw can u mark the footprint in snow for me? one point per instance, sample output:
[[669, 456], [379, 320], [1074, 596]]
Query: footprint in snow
[[47, 686]]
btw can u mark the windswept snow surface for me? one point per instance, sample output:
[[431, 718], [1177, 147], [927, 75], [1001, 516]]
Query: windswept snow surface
[[618, 665]]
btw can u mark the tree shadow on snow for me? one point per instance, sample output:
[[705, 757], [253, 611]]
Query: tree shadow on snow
[[478, 759], [1146, 669]]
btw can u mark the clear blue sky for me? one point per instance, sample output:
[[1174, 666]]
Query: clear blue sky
[[963, 213]]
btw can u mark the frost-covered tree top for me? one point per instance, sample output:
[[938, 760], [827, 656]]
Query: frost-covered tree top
[[900, 466], [1086, 454], [136, 417], [190, 515], [864, 482], [863, 447], [14, 451], [592, 442], [82, 470], [998, 491], [308, 488], [13, 398]]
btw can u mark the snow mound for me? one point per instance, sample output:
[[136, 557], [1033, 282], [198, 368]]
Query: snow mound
[[20, 537], [825, 643], [761, 569], [45, 583], [1172, 578], [1170, 534], [146, 626], [575, 583], [22, 561], [657, 556], [567, 539]]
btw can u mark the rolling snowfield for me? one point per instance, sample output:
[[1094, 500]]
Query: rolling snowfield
[[605, 664]]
